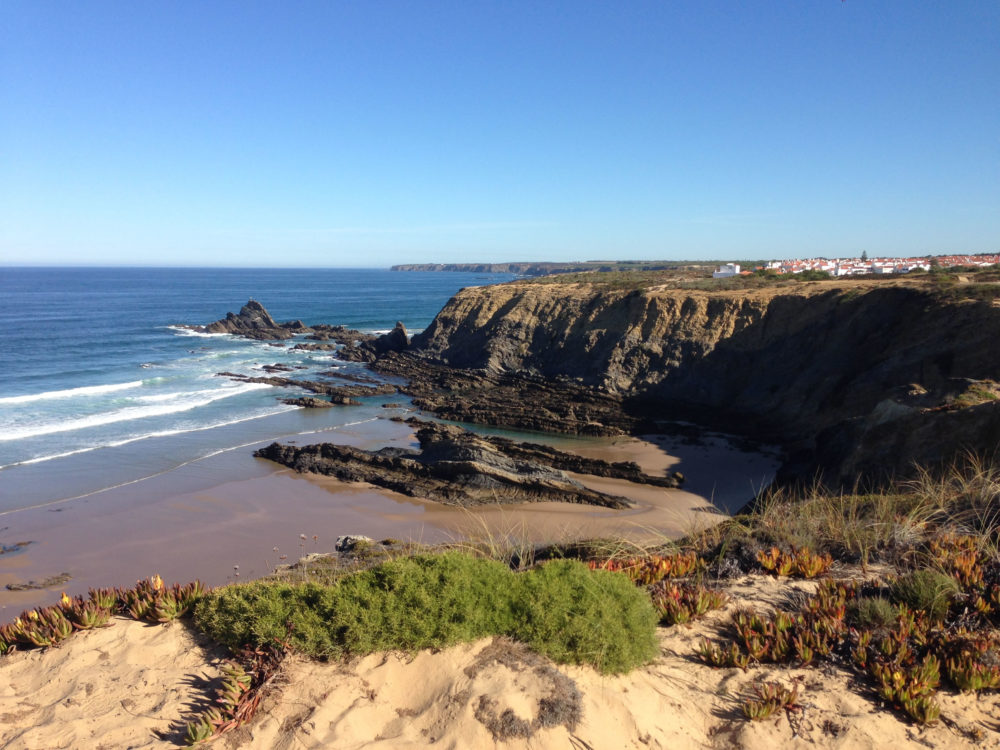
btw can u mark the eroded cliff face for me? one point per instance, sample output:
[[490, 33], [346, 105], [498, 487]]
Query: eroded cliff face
[[786, 365]]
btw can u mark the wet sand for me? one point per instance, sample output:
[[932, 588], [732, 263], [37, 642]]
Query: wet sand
[[210, 516]]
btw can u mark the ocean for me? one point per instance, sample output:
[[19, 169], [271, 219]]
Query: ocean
[[100, 387]]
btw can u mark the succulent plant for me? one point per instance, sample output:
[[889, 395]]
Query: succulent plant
[[104, 598], [959, 557], [803, 562], [681, 603], [646, 571], [39, 628], [770, 696], [973, 661], [153, 601], [716, 656], [238, 697]]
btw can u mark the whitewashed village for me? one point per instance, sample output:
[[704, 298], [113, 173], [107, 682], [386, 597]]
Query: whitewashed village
[[860, 266]]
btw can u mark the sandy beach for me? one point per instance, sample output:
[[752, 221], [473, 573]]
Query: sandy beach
[[231, 516]]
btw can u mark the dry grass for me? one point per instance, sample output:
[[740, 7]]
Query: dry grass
[[890, 526]]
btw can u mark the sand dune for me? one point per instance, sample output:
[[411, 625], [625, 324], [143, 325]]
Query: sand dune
[[131, 685], [116, 687]]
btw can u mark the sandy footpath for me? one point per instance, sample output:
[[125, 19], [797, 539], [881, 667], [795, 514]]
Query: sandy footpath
[[129, 686]]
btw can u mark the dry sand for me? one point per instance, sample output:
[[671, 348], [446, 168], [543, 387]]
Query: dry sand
[[121, 686], [131, 684]]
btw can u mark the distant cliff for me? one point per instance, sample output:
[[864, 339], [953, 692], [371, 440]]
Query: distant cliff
[[823, 367], [535, 269]]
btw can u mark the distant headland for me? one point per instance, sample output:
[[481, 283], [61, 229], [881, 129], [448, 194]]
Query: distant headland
[[542, 269]]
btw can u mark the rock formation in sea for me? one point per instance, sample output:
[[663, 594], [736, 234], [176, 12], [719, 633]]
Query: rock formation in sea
[[338, 333], [457, 467], [338, 394], [311, 402], [253, 322], [369, 350]]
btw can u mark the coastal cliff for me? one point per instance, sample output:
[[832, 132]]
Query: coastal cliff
[[790, 364], [536, 268]]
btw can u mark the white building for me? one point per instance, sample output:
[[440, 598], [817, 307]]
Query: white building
[[726, 271]]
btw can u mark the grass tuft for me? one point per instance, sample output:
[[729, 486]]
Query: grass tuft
[[925, 590]]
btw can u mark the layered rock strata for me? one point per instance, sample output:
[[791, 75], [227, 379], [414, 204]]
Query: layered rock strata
[[507, 399], [811, 366], [457, 467], [338, 394], [371, 349]]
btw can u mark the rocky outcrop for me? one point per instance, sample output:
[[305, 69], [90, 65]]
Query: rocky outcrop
[[253, 322], [338, 394], [510, 399], [311, 402], [395, 340], [457, 467], [789, 364], [339, 334], [895, 438]]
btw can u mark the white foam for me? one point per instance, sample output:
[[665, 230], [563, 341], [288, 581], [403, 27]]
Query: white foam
[[87, 390], [162, 397], [165, 471], [129, 413], [188, 332], [160, 433]]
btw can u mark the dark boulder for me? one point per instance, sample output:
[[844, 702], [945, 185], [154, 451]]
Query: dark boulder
[[253, 322]]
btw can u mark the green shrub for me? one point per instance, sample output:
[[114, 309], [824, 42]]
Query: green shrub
[[872, 612], [812, 274], [421, 602], [573, 614], [928, 590], [257, 613], [562, 609]]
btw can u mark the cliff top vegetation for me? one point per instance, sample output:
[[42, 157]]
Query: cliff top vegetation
[[959, 282]]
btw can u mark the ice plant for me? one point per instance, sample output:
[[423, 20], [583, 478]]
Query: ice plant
[[770, 696], [238, 697], [152, 600], [681, 603], [646, 571], [803, 562]]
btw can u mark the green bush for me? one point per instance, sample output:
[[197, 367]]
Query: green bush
[[258, 613], [421, 602], [811, 274], [563, 609], [928, 590], [872, 612], [573, 614]]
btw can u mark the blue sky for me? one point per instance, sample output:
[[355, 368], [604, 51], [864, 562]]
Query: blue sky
[[368, 133]]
